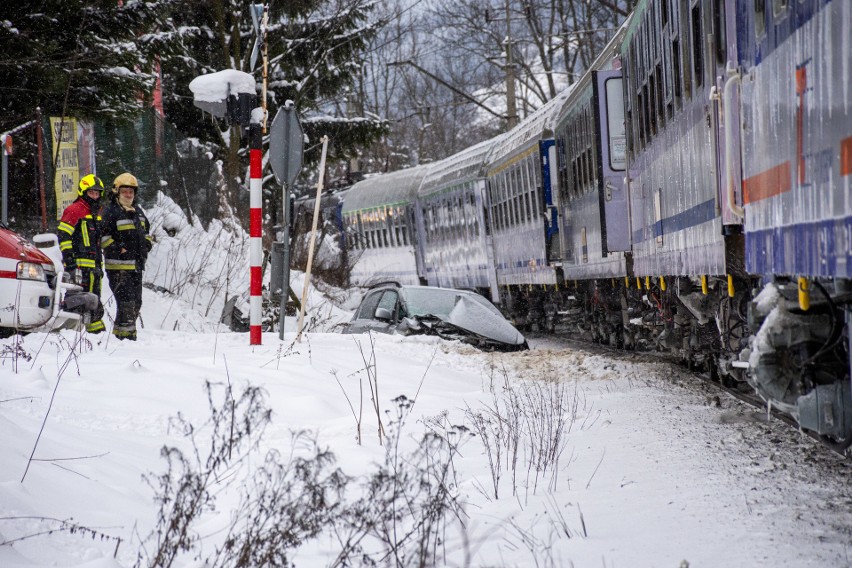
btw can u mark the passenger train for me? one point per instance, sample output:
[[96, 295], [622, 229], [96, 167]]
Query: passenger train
[[691, 193]]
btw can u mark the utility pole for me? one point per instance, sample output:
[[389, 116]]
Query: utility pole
[[511, 104]]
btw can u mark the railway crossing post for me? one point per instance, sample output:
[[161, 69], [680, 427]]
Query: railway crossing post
[[232, 94]]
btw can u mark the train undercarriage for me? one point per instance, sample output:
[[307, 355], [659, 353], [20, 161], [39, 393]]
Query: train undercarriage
[[749, 335]]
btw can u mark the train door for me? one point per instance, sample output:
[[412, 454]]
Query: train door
[[550, 199], [724, 96], [483, 207], [608, 97]]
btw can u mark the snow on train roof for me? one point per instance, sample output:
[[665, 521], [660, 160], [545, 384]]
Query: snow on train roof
[[530, 129], [467, 164], [385, 189]]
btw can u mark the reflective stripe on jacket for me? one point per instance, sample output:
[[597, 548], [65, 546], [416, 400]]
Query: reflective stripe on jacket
[[79, 236], [125, 239]]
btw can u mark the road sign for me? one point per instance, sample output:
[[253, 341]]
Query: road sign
[[286, 145]]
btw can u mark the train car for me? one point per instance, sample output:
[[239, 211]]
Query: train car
[[458, 251], [592, 200], [519, 184], [380, 228], [710, 216], [793, 64], [592, 193], [687, 251], [673, 52]]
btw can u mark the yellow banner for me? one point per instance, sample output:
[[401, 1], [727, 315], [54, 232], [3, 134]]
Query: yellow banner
[[67, 174]]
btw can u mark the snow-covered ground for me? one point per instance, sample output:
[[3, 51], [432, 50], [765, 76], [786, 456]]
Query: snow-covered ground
[[621, 461]]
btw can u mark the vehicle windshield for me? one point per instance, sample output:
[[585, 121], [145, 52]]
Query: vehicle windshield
[[439, 302]]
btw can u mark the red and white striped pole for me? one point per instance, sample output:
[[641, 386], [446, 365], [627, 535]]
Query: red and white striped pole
[[255, 220]]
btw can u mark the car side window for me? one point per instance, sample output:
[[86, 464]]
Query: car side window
[[369, 305]]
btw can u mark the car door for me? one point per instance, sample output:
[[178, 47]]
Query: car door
[[378, 312]]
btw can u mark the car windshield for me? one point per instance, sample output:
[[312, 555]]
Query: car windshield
[[439, 301]]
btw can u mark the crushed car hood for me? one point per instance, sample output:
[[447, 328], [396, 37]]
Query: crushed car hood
[[471, 316]]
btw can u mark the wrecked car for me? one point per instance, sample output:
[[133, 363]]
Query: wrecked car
[[448, 313]]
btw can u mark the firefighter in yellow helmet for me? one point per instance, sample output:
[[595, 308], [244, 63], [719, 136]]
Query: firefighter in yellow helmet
[[125, 243], [79, 240]]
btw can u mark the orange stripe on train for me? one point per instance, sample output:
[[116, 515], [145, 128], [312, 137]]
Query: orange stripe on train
[[846, 156], [773, 181]]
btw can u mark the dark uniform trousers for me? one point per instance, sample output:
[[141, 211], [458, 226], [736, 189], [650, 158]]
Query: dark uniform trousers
[[126, 286]]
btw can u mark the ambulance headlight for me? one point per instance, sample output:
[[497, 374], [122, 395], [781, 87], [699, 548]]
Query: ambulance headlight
[[30, 271]]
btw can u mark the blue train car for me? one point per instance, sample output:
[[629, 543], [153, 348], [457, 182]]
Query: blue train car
[[793, 67], [796, 63]]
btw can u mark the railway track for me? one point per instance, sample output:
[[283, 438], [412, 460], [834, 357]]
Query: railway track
[[746, 397]]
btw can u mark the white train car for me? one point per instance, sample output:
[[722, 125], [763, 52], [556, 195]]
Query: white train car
[[380, 229], [519, 212], [457, 246]]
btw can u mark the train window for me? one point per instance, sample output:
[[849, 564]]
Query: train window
[[697, 46], [668, 83], [686, 48], [487, 214], [653, 89], [664, 13], [677, 74], [779, 8], [538, 197], [720, 33], [615, 123], [398, 226], [661, 117], [458, 217], [474, 218], [646, 116], [386, 227], [530, 187], [528, 206], [498, 203]]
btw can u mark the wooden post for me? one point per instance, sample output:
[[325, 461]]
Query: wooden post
[[312, 242]]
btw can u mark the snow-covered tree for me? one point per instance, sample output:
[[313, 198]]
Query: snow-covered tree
[[314, 49], [84, 58]]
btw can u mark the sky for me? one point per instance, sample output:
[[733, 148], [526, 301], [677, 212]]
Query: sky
[[649, 467]]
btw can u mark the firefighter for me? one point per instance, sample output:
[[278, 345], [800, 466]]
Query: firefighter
[[79, 238], [126, 243]]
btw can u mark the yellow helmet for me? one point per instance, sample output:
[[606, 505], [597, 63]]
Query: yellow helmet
[[124, 180], [88, 182]]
